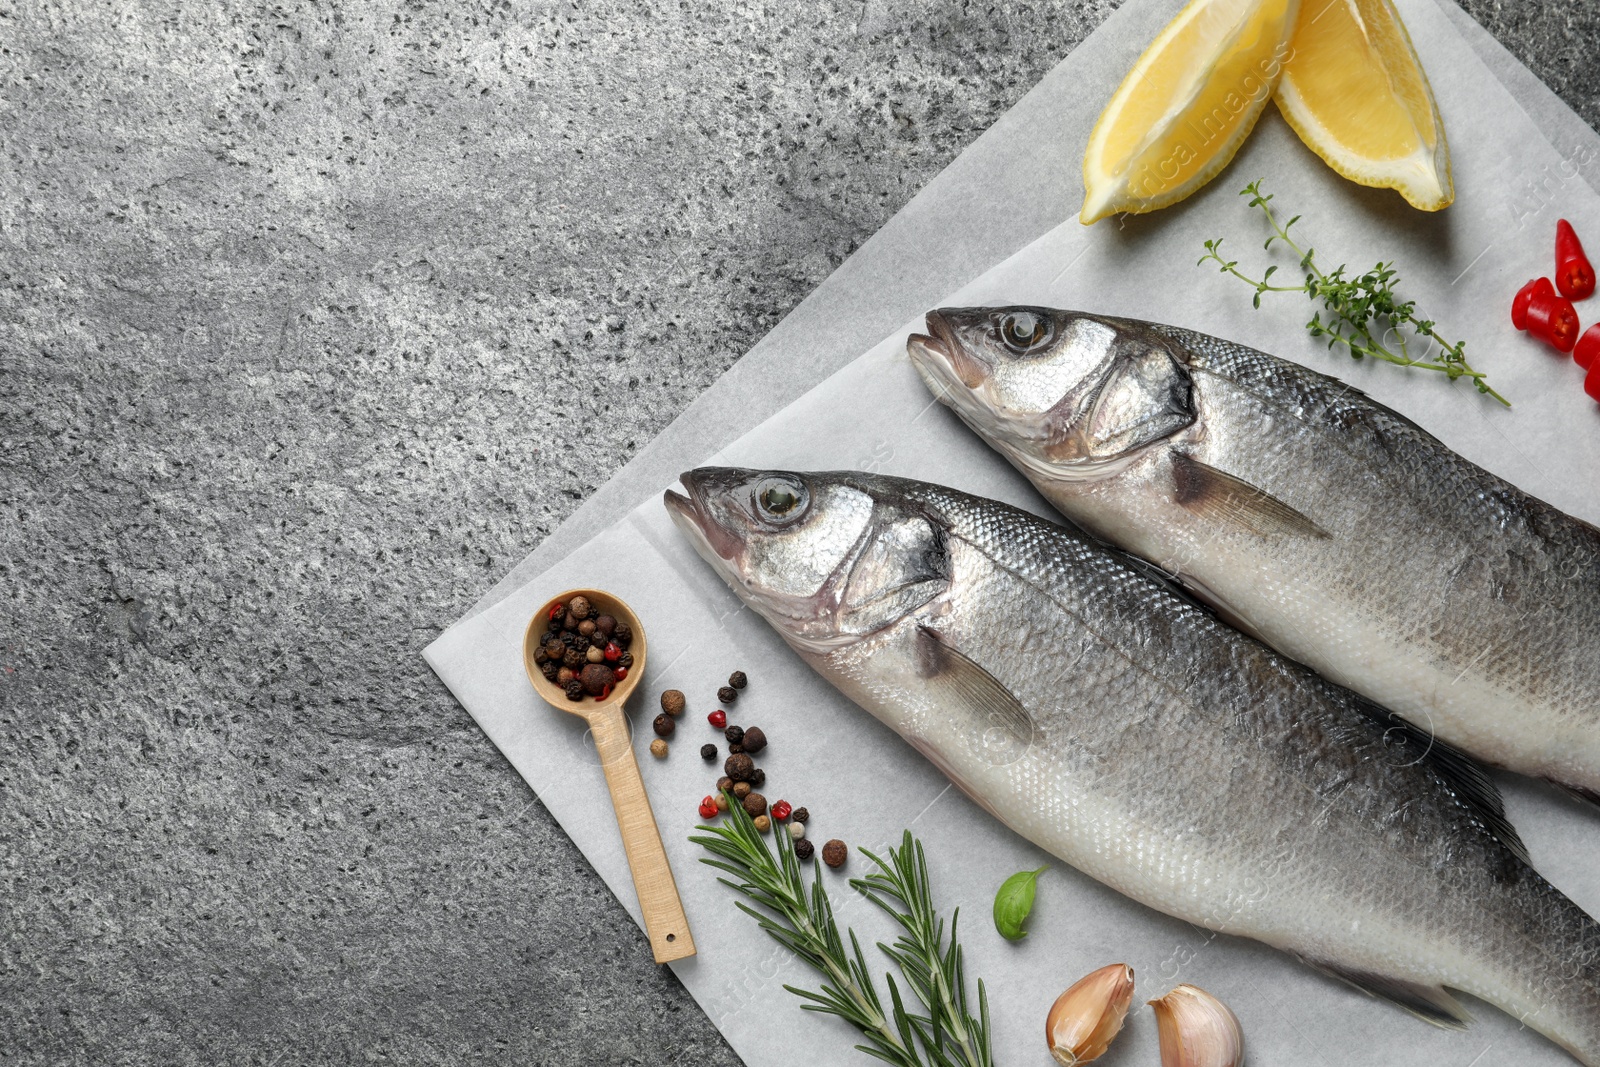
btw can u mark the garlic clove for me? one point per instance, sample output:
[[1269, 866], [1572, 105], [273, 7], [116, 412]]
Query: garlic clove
[[1085, 1018], [1197, 1030]]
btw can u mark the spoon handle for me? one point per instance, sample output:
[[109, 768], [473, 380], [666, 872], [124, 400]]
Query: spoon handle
[[664, 921]]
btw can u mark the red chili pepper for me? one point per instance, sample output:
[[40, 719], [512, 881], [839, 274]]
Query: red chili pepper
[[621, 673], [1574, 275], [1553, 321], [1588, 347], [781, 810], [613, 651], [1591, 381], [1525, 295], [605, 691], [708, 808], [718, 718]]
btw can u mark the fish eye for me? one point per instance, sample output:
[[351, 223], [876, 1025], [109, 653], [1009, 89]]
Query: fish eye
[[780, 499], [1024, 331]]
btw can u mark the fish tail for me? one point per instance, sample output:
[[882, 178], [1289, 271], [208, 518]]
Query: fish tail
[[1560, 976]]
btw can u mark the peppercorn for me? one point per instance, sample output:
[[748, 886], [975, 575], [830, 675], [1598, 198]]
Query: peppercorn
[[554, 625], [733, 749], [803, 849], [664, 725], [739, 767], [796, 831], [718, 718], [586, 627], [625, 660], [550, 670], [579, 606], [568, 640], [801, 816], [755, 804], [741, 789], [762, 823], [658, 748], [572, 658], [758, 777], [570, 623], [574, 690], [727, 694], [734, 734], [754, 740], [623, 633], [555, 648], [540, 656], [672, 701], [621, 672], [708, 752], [781, 810], [738, 680], [597, 680], [724, 784], [708, 808], [834, 853], [595, 655], [722, 802], [598, 641], [605, 624]]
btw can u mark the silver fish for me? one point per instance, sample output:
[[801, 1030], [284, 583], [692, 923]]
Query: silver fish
[[1305, 513], [1100, 713]]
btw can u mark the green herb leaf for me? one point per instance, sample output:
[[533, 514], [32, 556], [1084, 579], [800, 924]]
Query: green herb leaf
[[1013, 903]]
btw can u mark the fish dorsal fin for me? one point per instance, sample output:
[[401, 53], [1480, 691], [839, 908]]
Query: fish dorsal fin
[[1430, 1003], [1465, 776], [1217, 495], [1008, 728]]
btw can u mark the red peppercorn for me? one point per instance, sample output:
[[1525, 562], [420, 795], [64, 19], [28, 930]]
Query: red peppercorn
[[604, 692], [1574, 275], [718, 718], [1552, 320], [557, 610], [613, 650], [781, 810], [708, 808], [1525, 295], [1588, 347], [621, 673]]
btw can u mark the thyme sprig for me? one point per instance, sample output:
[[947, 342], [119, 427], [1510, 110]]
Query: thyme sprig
[[1363, 311], [944, 1033]]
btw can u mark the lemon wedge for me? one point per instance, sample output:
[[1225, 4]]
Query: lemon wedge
[[1353, 90], [1187, 104]]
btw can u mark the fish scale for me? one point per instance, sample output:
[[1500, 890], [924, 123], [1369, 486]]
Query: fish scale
[[1167, 755]]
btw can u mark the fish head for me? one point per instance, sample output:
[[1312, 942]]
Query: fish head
[[828, 559], [1059, 392]]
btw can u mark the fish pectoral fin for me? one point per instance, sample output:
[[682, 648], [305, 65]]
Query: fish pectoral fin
[[968, 684], [1430, 1003], [1206, 491]]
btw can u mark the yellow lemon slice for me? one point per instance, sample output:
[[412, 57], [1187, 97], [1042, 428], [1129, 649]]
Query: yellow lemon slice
[[1354, 91], [1186, 106]]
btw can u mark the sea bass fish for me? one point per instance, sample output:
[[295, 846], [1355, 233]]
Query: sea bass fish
[[1105, 716], [1306, 514]]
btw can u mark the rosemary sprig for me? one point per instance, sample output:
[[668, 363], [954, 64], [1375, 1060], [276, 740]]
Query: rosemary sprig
[[1363, 311], [802, 921]]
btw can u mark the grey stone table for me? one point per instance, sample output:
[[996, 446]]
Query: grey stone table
[[313, 320]]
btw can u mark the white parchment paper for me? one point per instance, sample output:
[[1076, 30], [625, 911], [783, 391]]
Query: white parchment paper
[[864, 785]]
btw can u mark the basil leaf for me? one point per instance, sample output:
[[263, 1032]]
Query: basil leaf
[[1013, 903]]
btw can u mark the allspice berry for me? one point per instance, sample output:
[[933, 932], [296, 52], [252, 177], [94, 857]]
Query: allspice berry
[[754, 740], [605, 624], [803, 849], [739, 767], [727, 694], [673, 702], [741, 789], [763, 823], [586, 627], [738, 680], [834, 853], [565, 676], [597, 679], [708, 752], [755, 804], [579, 606], [658, 748], [724, 784], [664, 725]]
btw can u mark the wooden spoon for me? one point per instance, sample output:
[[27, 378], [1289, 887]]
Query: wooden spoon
[[664, 921]]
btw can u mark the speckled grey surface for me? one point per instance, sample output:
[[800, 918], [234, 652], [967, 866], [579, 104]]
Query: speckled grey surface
[[314, 320]]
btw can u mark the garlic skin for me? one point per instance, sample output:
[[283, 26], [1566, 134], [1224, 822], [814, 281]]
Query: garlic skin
[[1085, 1018], [1197, 1030]]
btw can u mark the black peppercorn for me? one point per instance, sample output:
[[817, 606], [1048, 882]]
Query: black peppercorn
[[735, 749], [708, 752], [801, 815], [754, 740], [623, 633], [664, 725], [572, 658], [540, 656], [758, 777], [734, 734], [554, 625], [550, 670], [574, 690], [738, 680], [739, 767], [727, 694], [803, 849], [625, 660]]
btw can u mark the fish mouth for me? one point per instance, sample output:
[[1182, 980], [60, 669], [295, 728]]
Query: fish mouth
[[939, 355], [691, 514]]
